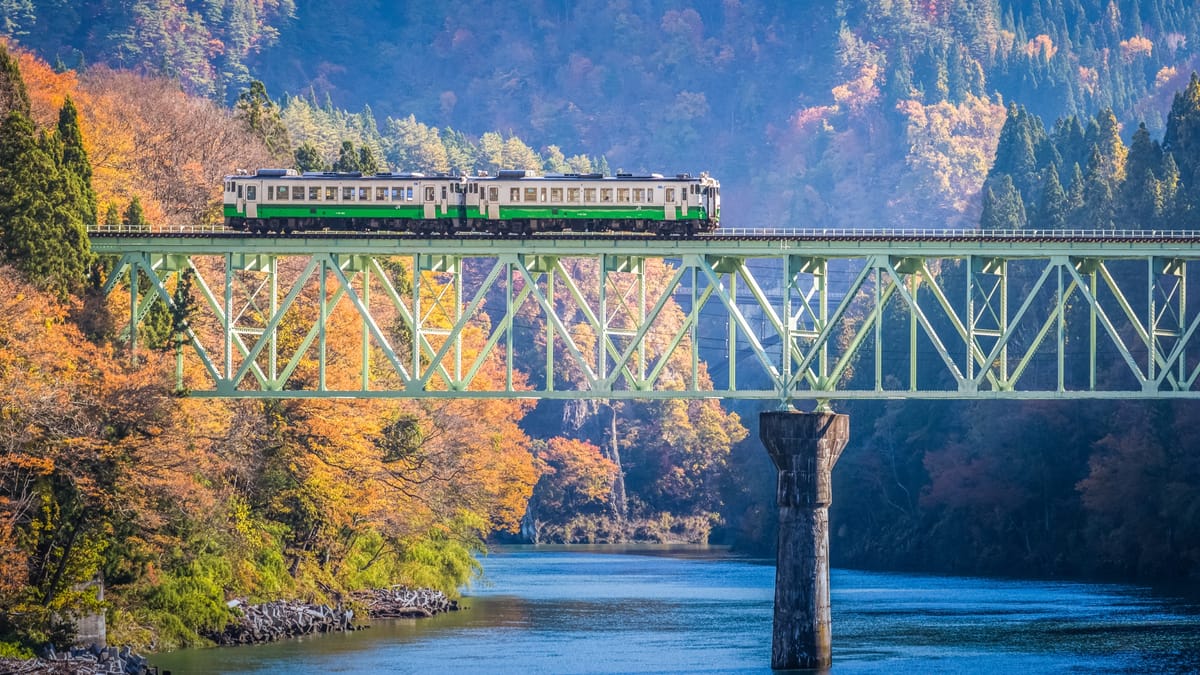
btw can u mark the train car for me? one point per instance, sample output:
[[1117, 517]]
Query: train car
[[522, 202], [513, 202], [281, 200]]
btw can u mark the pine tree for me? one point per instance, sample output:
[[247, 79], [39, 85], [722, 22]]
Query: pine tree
[[13, 96], [112, 215], [367, 163], [133, 216], [1174, 209], [1075, 194], [1182, 140], [1054, 208], [347, 161], [77, 170], [1003, 208], [262, 117], [308, 158], [1140, 203], [1098, 208], [43, 236]]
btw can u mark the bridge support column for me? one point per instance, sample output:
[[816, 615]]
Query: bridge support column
[[804, 447]]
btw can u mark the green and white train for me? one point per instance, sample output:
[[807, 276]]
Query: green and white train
[[513, 202]]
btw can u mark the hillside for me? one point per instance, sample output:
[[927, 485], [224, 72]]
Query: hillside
[[818, 113]]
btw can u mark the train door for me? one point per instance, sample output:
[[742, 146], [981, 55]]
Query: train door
[[429, 199], [670, 207], [252, 200]]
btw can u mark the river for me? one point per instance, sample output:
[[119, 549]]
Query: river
[[695, 610]]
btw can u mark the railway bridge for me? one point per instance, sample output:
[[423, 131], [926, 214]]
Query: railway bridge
[[783, 316]]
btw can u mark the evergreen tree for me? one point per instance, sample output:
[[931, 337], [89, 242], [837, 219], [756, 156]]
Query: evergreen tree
[[308, 158], [367, 163], [348, 158], [112, 215], [1054, 209], [43, 236], [1075, 193], [1141, 194], [1015, 152], [262, 117], [13, 96], [77, 170], [1173, 212], [1003, 208], [133, 216], [1182, 140], [1098, 207]]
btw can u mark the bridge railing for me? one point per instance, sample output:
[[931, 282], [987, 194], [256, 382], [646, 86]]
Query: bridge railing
[[742, 232]]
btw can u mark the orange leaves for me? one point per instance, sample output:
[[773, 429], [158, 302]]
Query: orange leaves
[[576, 472]]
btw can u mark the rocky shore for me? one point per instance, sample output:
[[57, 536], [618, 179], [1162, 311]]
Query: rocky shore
[[81, 661], [284, 618], [401, 602], [281, 619]]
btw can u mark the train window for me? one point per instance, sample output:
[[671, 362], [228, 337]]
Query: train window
[[364, 194], [572, 194], [298, 193], [530, 194], [606, 194], [408, 196], [239, 192], [494, 194], [330, 194], [347, 194], [251, 192], [314, 193], [514, 194], [650, 195], [270, 192], [556, 195], [671, 194], [397, 194], [623, 194], [639, 195], [443, 192], [381, 194], [543, 194], [589, 194], [430, 193]]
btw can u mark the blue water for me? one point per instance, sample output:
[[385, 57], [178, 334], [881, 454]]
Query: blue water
[[701, 611]]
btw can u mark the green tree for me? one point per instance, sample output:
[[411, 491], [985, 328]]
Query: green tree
[[1003, 208], [309, 158], [1054, 208], [77, 170], [13, 96], [133, 216], [262, 117], [43, 229], [112, 215]]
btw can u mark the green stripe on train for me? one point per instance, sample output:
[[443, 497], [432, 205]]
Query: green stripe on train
[[506, 212]]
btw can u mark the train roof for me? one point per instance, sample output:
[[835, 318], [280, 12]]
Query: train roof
[[504, 174]]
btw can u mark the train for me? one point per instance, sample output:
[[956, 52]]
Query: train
[[514, 202]]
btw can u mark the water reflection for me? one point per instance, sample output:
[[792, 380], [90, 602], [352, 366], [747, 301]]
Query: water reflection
[[695, 610]]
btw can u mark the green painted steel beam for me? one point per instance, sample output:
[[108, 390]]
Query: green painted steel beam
[[786, 316]]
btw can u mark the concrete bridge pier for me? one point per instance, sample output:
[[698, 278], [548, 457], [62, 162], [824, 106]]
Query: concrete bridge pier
[[804, 447]]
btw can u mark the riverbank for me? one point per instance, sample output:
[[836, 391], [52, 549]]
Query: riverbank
[[81, 661], [693, 609], [282, 619]]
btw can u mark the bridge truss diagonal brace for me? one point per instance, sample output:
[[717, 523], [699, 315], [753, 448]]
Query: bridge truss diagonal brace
[[805, 335]]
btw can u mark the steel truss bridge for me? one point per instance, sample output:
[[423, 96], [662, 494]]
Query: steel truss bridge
[[773, 314]]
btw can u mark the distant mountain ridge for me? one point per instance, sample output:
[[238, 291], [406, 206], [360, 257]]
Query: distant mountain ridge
[[824, 113]]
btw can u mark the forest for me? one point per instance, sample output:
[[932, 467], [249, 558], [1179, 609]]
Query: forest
[[1039, 114]]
